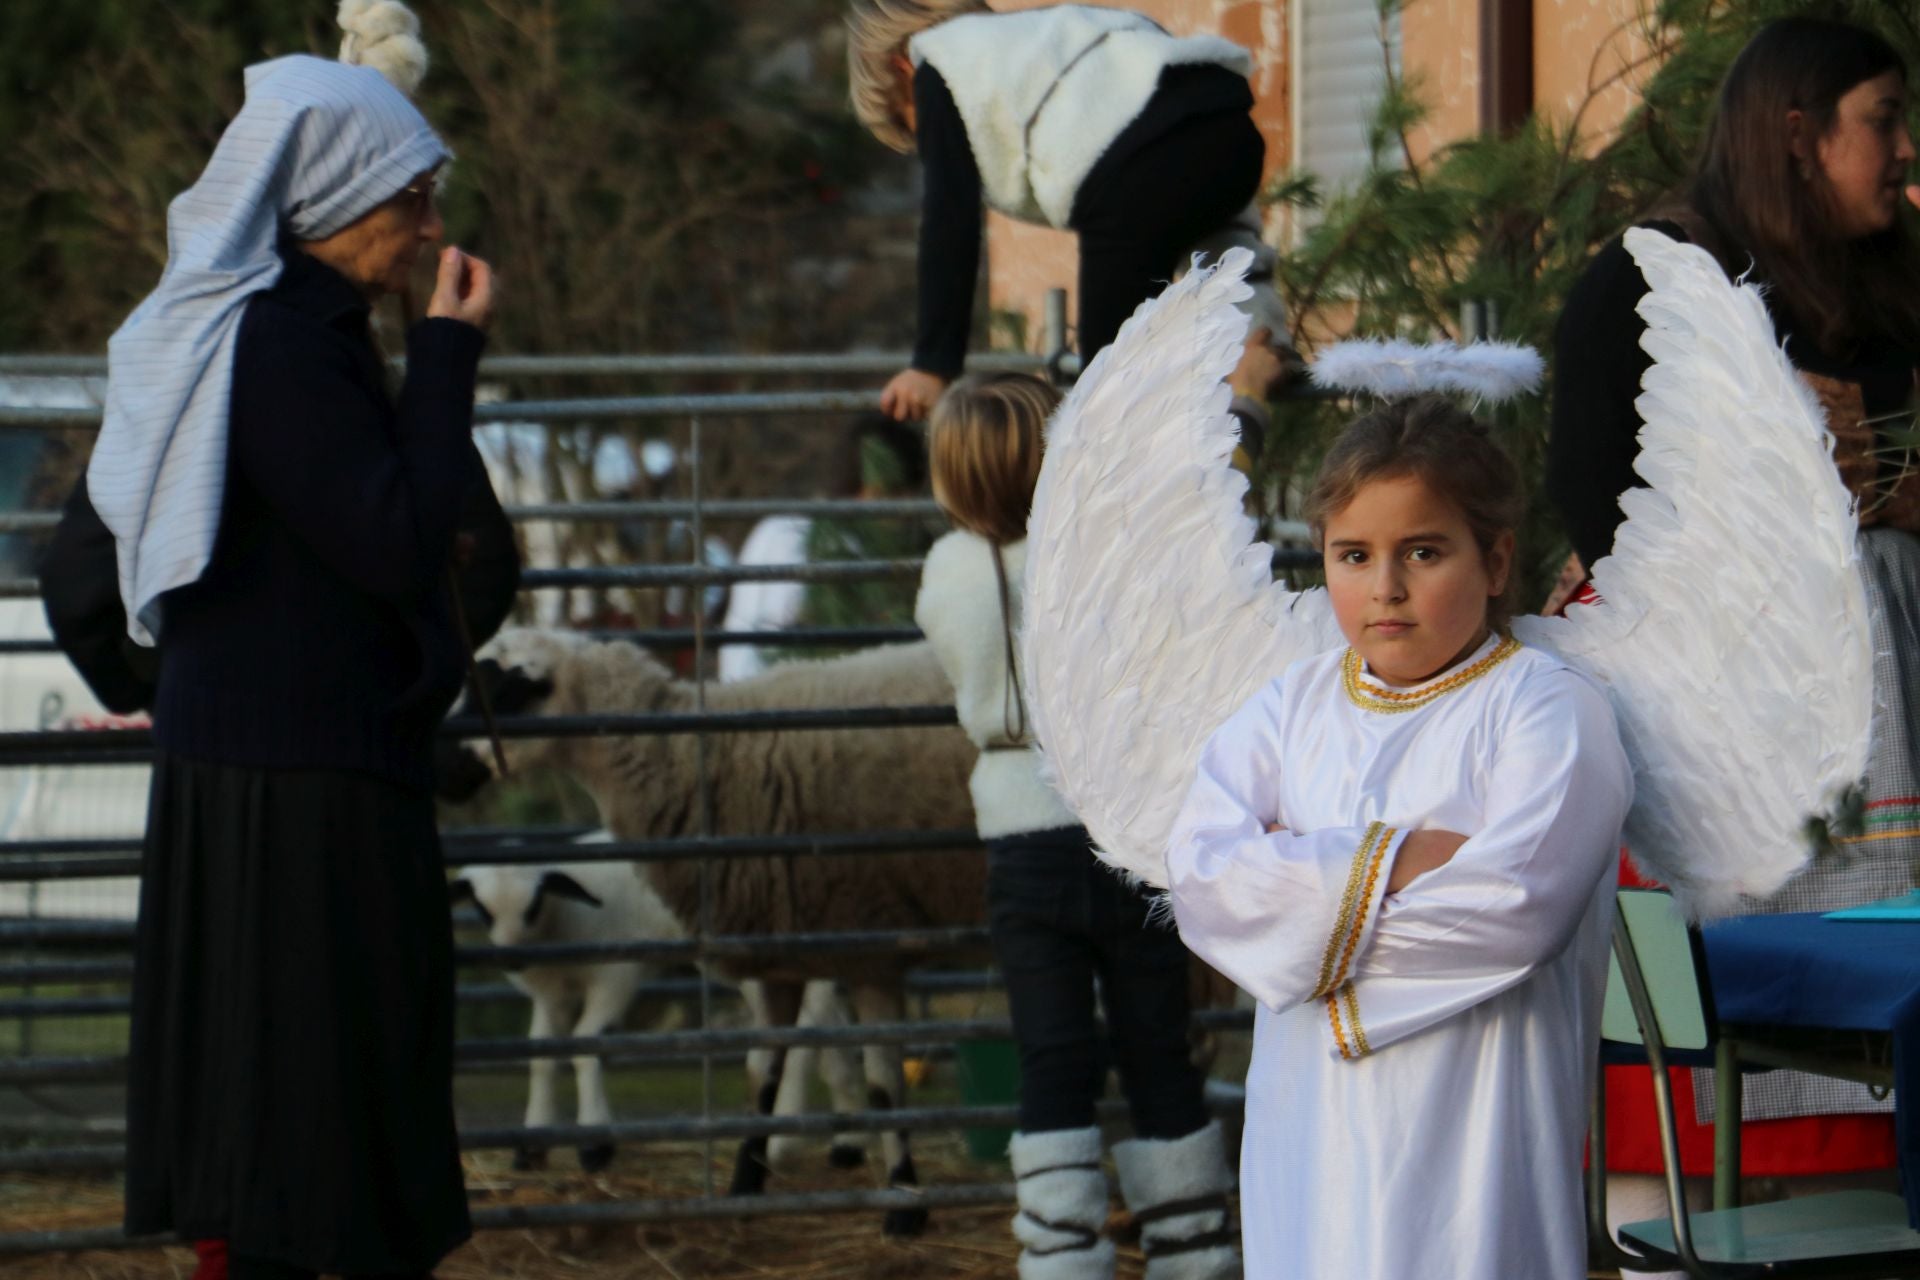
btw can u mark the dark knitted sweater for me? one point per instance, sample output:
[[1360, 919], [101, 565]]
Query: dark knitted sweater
[[321, 634], [1598, 364]]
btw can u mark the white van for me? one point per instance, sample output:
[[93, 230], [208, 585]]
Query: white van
[[43, 691]]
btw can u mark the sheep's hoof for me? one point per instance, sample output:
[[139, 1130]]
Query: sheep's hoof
[[528, 1160], [595, 1159], [902, 1223], [844, 1155], [749, 1174]]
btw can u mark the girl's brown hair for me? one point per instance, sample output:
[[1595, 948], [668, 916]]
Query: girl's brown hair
[[1441, 444], [984, 442], [877, 31], [1775, 217]]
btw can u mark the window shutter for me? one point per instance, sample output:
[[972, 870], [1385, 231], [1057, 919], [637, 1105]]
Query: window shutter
[[1338, 88]]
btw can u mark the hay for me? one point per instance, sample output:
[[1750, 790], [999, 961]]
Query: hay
[[960, 1244]]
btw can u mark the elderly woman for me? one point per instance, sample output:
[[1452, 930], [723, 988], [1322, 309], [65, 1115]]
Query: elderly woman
[[285, 528]]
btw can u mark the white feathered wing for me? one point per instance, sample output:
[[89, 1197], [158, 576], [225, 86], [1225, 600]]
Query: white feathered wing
[[1732, 635], [1151, 613]]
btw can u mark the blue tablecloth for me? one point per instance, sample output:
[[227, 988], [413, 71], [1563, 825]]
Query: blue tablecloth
[[1803, 971]]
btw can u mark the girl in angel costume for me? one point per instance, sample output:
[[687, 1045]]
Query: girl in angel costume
[[1405, 848], [1392, 817]]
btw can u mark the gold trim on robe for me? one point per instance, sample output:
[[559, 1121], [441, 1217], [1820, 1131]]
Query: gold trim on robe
[[1355, 904], [1343, 1012]]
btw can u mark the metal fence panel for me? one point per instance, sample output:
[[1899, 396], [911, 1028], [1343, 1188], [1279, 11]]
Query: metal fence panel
[[69, 845]]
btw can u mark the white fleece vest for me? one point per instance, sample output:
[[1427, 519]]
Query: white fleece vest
[[959, 609], [1044, 92]]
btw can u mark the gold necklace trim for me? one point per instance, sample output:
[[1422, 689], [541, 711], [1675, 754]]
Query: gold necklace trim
[[1394, 700]]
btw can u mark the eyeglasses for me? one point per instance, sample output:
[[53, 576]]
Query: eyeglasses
[[417, 198]]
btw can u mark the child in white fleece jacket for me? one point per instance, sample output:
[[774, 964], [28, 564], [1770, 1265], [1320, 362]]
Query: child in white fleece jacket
[[1059, 918]]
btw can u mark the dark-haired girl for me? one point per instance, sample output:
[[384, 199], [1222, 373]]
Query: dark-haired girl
[[1801, 187]]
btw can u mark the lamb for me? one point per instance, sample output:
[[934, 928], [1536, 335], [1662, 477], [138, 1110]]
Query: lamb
[[569, 902], [772, 782], [604, 902]]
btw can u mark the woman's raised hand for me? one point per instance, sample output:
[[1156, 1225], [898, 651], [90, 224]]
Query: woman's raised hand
[[910, 396], [463, 289]]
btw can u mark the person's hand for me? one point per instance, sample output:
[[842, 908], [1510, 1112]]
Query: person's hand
[[910, 396], [1421, 852], [1913, 196], [463, 290], [1261, 370]]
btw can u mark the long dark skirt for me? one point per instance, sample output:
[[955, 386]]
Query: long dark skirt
[[290, 1085]]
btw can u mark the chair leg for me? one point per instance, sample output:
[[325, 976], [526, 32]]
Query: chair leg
[[1726, 1125], [1642, 1001], [1604, 1251]]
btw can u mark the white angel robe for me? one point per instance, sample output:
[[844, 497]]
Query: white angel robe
[[1417, 1101]]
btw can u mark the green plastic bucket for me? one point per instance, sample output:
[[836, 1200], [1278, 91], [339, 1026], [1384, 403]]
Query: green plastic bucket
[[989, 1076]]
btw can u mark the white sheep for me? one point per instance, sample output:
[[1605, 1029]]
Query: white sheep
[[771, 782], [611, 902]]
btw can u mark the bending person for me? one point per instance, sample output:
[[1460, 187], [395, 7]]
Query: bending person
[[1089, 119]]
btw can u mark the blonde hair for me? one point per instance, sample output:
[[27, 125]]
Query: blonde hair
[[1447, 450], [877, 30], [984, 442]]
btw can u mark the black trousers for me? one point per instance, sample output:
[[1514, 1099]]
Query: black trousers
[[1059, 920], [1138, 216]]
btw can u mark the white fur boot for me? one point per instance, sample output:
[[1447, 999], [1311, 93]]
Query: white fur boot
[[1063, 1205], [1177, 1190]]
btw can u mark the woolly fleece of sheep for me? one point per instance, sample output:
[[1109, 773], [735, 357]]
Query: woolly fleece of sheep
[[773, 783]]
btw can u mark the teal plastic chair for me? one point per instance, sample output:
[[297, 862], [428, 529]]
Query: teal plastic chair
[[1659, 1000]]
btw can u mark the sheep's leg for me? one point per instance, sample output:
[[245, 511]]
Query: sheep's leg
[[790, 1099], [764, 1070], [886, 1091], [541, 1082], [608, 995], [753, 994], [840, 1068], [822, 1006], [781, 1009]]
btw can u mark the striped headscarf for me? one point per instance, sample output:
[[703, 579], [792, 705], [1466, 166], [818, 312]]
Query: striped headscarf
[[317, 146]]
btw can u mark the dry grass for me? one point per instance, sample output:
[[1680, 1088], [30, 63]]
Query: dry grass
[[961, 1244]]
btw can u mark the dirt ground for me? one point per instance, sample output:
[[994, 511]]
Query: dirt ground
[[960, 1244]]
